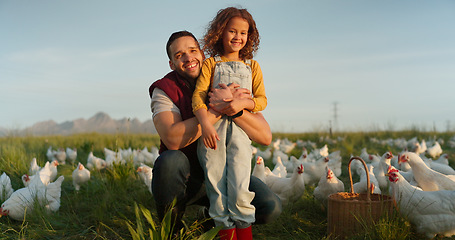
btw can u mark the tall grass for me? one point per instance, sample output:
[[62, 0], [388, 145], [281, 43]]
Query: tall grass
[[115, 204]]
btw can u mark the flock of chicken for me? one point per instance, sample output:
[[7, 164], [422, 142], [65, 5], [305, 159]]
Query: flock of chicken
[[43, 188], [423, 187]]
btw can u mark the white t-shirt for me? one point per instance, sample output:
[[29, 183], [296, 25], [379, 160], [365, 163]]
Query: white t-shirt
[[162, 103]]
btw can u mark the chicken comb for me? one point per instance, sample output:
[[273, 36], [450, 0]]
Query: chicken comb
[[259, 160], [391, 169]]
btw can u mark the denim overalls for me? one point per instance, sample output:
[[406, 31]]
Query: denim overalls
[[228, 168]]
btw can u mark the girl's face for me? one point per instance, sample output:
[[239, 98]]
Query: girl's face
[[235, 36]]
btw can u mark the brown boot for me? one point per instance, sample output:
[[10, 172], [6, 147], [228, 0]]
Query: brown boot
[[244, 233], [227, 234]]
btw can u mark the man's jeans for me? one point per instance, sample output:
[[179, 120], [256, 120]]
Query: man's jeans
[[172, 179]]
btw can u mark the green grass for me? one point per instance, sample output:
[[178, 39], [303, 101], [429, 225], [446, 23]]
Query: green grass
[[115, 204]]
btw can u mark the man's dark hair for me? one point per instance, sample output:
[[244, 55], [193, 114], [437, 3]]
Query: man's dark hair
[[178, 35]]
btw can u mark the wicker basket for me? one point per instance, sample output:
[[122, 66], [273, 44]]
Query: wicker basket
[[349, 213]]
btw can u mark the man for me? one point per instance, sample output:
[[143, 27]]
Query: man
[[177, 172]]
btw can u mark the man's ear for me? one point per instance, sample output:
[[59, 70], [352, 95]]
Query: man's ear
[[171, 65]]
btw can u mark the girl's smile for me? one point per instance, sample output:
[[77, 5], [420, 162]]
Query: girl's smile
[[235, 36]]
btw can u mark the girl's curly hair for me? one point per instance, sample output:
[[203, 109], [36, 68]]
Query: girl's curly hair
[[213, 42]]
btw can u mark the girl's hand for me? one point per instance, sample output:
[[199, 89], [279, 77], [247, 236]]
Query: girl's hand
[[209, 136]]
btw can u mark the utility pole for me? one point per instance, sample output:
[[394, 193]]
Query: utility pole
[[330, 129], [335, 114]]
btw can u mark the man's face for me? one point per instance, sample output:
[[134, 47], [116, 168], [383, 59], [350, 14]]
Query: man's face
[[186, 57]]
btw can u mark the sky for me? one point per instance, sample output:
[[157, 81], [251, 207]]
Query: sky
[[354, 65]]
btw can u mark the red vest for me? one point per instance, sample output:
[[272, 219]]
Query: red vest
[[180, 94]]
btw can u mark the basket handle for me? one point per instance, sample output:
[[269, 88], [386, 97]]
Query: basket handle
[[366, 171]]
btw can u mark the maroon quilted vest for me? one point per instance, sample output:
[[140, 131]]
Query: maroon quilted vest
[[180, 94]]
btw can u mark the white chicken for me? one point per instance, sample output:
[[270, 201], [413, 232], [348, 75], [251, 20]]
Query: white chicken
[[411, 142], [324, 151], [327, 185], [60, 156], [146, 174], [443, 159], [95, 163], [27, 179], [335, 162], [280, 154], [113, 157], [369, 159], [150, 157], [315, 170], [362, 185], [304, 156], [279, 169], [288, 189], [53, 170], [80, 175], [432, 212], [52, 194], [318, 153], [292, 164], [47, 174], [270, 175], [380, 170], [138, 157], [420, 147], [6, 188], [287, 146], [403, 166], [364, 155], [276, 144], [124, 154], [254, 150], [22, 201], [108, 151], [408, 176], [435, 150], [50, 154], [427, 178], [34, 167], [265, 154], [259, 169], [71, 153], [442, 168]]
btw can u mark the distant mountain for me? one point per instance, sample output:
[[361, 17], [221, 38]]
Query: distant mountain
[[100, 122]]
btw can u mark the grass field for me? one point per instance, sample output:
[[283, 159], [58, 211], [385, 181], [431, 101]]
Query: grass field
[[104, 206]]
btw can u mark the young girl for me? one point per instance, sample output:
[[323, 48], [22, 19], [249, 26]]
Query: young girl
[[231, 40]]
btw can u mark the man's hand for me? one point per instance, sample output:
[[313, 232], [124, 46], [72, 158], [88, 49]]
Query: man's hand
[[230, 99], [223, 93]]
